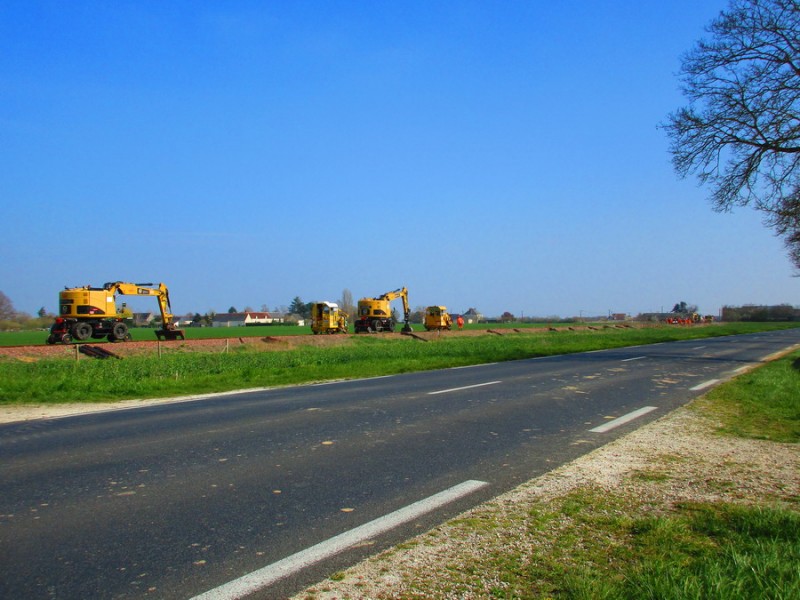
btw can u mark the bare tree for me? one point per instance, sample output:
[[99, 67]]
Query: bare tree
[[7, 312], [346, 302], [740, 133]]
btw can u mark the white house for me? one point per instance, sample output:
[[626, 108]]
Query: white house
[[245, 318], [473, 316]]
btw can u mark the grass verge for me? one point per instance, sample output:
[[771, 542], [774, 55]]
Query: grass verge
[[763, 404]]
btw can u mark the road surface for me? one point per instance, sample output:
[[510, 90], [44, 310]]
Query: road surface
[[274, 490]]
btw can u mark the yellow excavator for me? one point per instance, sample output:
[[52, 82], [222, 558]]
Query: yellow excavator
[[375, 314], [91, 312], [437, 318], [327, 317]]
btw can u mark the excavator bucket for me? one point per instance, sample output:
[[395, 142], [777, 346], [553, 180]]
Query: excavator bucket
[[170, 334]]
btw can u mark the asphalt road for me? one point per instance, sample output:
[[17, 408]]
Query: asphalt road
[[179, 500]]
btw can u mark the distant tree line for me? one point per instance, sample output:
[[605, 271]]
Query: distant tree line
[[751, 312], [12, 319]]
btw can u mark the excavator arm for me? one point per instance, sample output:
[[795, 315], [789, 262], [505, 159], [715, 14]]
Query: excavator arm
[[401, 293], [168, 331], [374, 314]]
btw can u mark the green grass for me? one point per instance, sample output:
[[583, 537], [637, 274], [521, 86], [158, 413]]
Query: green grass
[[714, 551], [608, 549], [763, 404], [179, 373], [23, 338], [147, 334]]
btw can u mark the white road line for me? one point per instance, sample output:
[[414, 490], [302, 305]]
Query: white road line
[[634, 358], [623, 419], [247, 584], [466, 387], [704, 385], [698, 347]]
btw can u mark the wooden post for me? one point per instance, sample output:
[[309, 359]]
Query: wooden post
[[159, 348]]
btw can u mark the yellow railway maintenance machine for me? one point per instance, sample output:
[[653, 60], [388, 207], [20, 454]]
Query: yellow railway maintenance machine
[[91, 312], [437, 317], [375, 314], [327, 317]]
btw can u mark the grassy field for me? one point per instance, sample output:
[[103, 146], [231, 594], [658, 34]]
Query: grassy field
[[146, 334], [180, 373]]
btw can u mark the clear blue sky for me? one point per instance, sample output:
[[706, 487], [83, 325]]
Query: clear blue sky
[[497, 155]]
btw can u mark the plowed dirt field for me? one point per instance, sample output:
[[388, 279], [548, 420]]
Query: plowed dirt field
[[266, 344]]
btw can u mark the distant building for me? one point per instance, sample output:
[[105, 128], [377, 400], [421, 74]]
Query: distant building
[[143, 319], [472, 316], [244, 319]]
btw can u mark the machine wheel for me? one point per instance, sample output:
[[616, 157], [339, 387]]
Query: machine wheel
[[66, 339], [81, 331], [377, 326], [51, 339], [118, 332]]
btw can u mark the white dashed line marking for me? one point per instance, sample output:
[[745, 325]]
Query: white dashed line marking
[[623, 419], [466, 387], [704, 385], [252, 582]]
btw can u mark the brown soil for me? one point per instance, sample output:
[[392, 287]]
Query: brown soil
[[123, 349], [266, 343]]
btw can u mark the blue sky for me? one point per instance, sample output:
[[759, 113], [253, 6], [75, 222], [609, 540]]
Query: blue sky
[[497, 155]]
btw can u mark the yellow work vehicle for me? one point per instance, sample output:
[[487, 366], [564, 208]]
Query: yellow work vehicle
[[327, 317], [375, 314], [437, 317], [91, 312]]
